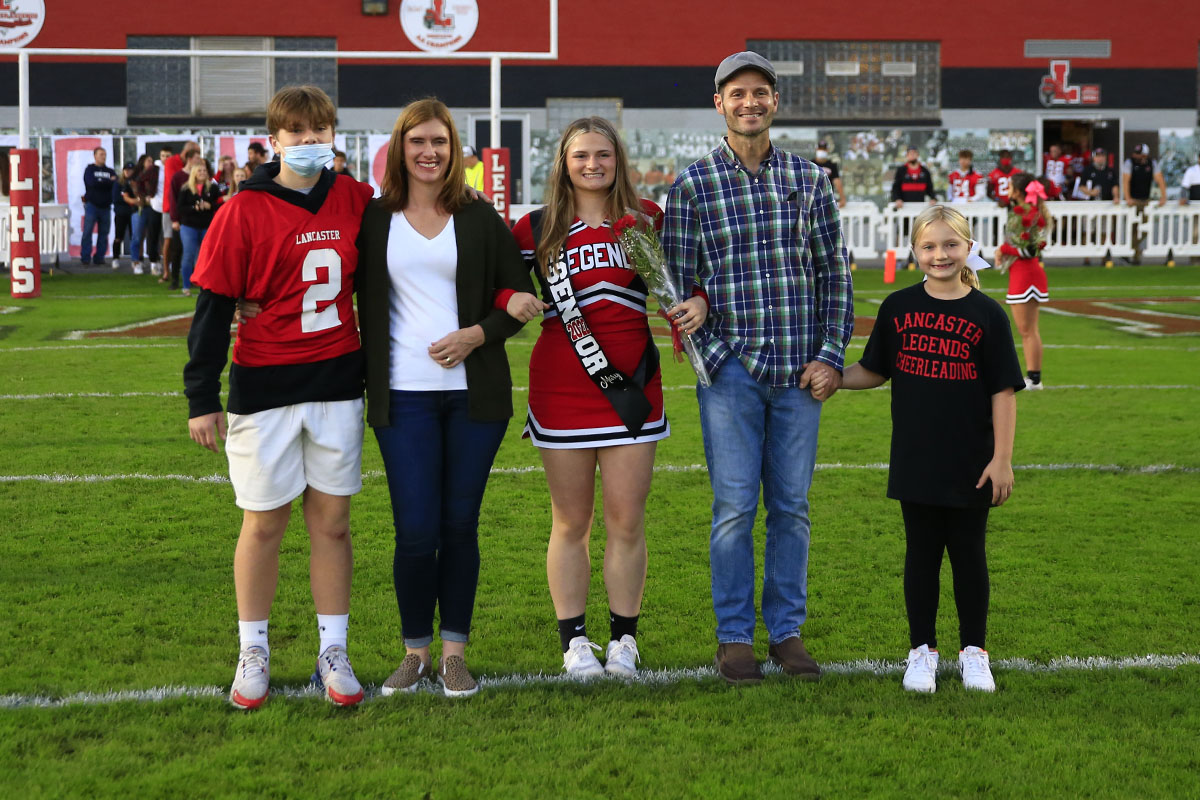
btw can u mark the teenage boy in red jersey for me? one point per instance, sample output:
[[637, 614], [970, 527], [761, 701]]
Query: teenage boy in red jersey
[[286, 242], [1000, 177], [964, 181], [1054, 166]]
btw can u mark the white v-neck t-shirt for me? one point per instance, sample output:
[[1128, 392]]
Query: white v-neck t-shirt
[[424, 305]]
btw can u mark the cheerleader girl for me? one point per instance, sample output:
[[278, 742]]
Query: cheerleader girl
[[596, 305], [1024, 238]]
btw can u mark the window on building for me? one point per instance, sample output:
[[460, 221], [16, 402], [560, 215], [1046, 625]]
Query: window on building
[[562, 111], [1068, 48], [220, 86], [831, 81]]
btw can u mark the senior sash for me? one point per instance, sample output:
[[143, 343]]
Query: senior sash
[[624, 392]]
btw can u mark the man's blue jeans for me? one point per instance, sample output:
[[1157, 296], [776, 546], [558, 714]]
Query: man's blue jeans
[[94, 216], [755, 434]]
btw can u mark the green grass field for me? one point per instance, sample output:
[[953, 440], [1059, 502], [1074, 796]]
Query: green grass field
[[118, 539]]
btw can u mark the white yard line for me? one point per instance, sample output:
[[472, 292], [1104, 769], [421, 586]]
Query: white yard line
[[646, 677], [73, 335], [123, 346], [72, 395], [66, 478]]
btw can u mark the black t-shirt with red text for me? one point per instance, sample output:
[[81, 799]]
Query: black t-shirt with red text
[[945, 359]]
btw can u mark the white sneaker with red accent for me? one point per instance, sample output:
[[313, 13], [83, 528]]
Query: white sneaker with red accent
[[921, 673], [336, 677], [252, 678], [976, 669]]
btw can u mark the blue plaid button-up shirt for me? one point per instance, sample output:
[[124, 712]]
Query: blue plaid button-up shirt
[[768, 251]]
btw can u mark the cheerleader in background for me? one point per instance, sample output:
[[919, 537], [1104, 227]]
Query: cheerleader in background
[[1024, 238]]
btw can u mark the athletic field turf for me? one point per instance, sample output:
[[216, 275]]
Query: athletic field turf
[[120, 637]]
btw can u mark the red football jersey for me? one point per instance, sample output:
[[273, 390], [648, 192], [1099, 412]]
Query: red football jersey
[[963, 185], [297, 265], [999, 181]]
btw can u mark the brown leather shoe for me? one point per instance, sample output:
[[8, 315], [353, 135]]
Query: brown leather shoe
[[737, 665], [795, 660]]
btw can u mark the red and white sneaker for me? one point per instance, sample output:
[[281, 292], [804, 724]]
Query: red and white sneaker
[[336, 677], [976, 669], [920, 674], [252, 679]]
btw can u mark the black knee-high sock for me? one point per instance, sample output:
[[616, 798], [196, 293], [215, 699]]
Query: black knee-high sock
[[622, 626], [568, 629]]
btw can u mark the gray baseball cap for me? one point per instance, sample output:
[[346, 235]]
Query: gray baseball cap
[[745, 60]]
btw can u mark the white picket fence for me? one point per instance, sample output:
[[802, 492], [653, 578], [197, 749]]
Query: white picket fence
[[1080, 229], [54, 231], [1172, 230]]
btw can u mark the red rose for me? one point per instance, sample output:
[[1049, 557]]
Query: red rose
[[1041, 222], [1025, 235], [624, 223]]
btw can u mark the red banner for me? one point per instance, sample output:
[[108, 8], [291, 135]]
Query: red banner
[[497, 179], [25, 258]]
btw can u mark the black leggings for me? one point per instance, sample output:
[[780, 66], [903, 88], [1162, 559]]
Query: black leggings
[[122, 227], [928, 531], [152, 233]]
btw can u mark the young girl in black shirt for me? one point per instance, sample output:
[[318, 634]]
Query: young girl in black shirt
[[948, 351]]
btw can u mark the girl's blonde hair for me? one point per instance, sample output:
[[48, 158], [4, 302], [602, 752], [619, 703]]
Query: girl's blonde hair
[[192, 183], [560, 192], [235, 182], [957, 223]]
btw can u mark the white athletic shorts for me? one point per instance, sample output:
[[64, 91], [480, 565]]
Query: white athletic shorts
[[275, 454]]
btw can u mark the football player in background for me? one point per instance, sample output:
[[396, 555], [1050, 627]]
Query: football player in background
[[965, 182], [1000, 178]]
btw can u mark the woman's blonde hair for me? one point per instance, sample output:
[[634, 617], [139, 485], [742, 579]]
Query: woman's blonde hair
[[394, 188], [192, 184], [235, 182], [560, 192], [957, 223]]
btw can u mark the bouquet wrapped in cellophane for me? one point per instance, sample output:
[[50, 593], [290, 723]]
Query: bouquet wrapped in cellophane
[[645, 254]]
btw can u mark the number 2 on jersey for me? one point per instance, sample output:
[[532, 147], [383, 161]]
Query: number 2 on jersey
[[312, 320]]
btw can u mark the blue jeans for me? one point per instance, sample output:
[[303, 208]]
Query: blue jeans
[[138, 227], [437, 461], [191, 238], [755, 433], [95, 216]]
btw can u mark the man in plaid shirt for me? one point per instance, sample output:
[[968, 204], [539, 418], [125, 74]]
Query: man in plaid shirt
[[757, 232]]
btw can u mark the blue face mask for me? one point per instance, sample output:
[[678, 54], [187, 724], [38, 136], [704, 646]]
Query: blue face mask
[[307, 160]]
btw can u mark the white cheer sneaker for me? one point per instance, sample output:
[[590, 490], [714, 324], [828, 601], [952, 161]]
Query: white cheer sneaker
[[579, 661], [976, 669], [622, 657], [335, 676], [252, 678], [921, 673]]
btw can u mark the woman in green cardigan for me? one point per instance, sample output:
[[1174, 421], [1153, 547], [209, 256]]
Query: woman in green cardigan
[[439, 392]]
